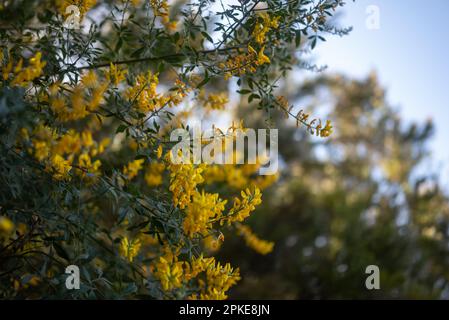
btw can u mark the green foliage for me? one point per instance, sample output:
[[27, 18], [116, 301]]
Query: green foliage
[[124, 77]]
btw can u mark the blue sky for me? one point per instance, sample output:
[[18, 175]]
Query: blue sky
[[410, 52]]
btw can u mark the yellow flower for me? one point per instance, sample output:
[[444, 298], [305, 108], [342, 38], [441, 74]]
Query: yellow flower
[[143, 93], [68, 144], [212, 243], [83, 5], [85, 162], [115, 75], [160, 9], [86, 139], [97, 97], [6, 225], [129, 249], [196, 266], [263, 25], [244, 206], [103, 144], [132, 169], [251, 50], [59, 166], [183, 180], [177, 94], [159, 152], [252, 241], [214, 284], [240, 64], [90, 79], [215, 101], [327, 130], [153, 175], [261, 57], [169, 271], [219, 279], [79, 108], [200, 213], [41, 150], [23, 76]]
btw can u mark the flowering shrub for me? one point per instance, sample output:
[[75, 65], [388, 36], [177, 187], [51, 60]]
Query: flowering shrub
[[86, 113]]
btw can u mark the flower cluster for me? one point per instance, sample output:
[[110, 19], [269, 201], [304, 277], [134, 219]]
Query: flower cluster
[[244, 62], [143, 94], [153, 174], [61, 152], [169, 271], [253, 241], [20, 75], [131, 170], [201, 212], [218, 278], [212, 278], [314, 126], [243, 207], [6, 227], [213, 101], [161, 9], [74, 105], [129, 249], [183, 181], [115, 74], [83, 5], [264, 24]]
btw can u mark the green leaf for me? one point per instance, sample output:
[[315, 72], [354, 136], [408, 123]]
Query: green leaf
[[121, 128]]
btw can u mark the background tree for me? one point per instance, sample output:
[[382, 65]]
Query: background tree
[[359, 198]]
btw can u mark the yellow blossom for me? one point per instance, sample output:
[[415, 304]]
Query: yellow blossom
[[129, 249], [132, 168], [252, 241], [244, 206], [143, 93], [59, 166], [89, 169], [115, 75], [83, 5], [159, 151], [169, 271], [201, 211], [183, 180], [23, 76], [86, 138], [326, 131], [160, 8], [212, 243], [240, 64], [218, 281], [97, 97], [101, 146], [153, 175], [262, 58], [6, 225], [90, 79], [264, 24], [214, 101]]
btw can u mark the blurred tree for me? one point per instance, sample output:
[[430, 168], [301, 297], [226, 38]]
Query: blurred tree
[[354, 200]]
